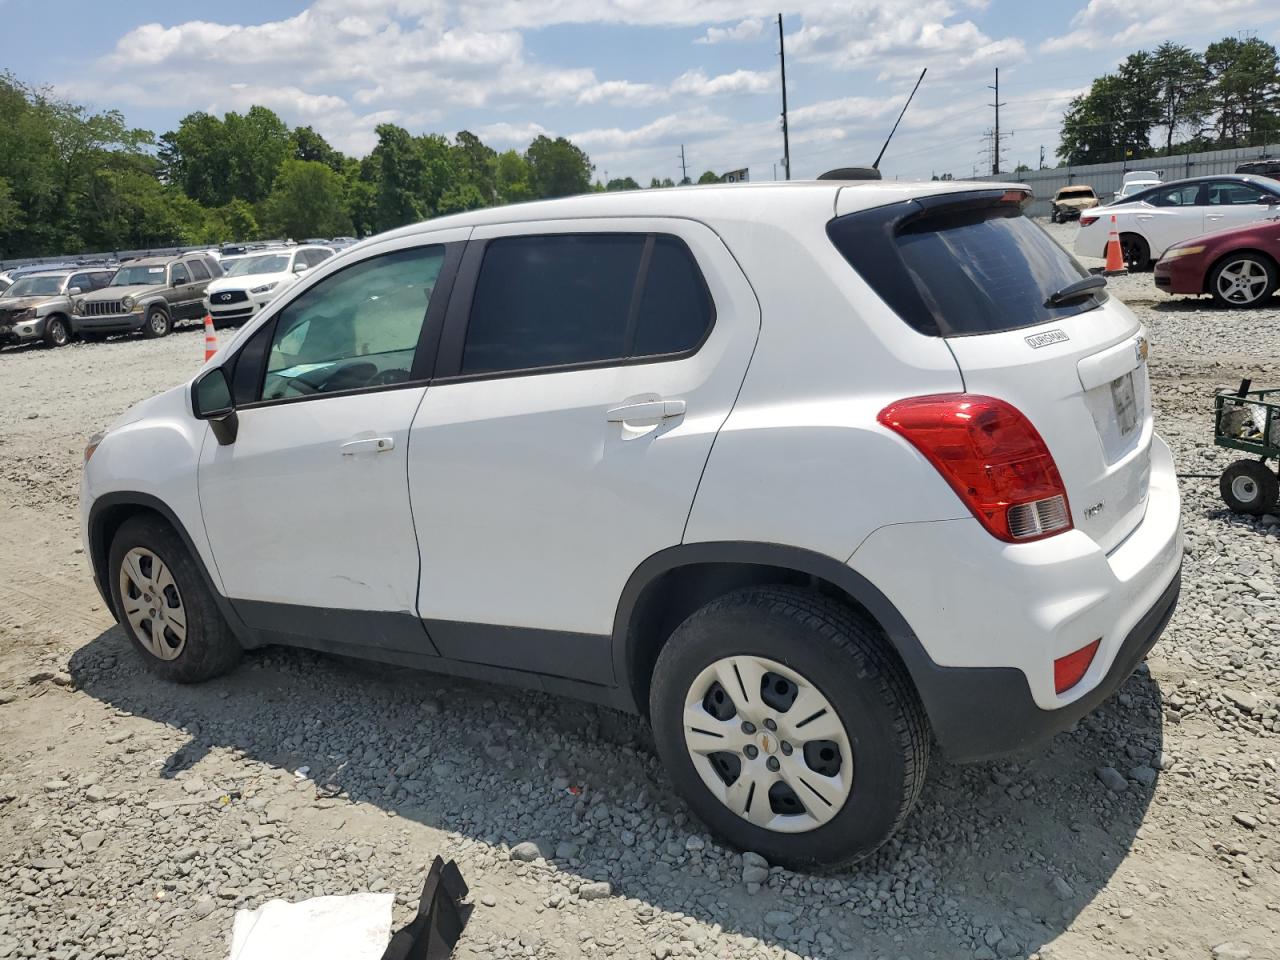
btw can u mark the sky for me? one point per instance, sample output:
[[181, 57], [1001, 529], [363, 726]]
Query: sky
[[629, 81]]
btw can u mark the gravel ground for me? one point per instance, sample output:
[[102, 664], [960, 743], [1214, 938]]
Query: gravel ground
[[135, 817]]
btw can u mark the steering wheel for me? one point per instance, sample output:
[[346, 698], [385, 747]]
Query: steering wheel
[[387, 377]]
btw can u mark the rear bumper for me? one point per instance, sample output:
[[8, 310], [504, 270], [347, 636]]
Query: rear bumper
[[991, 618]]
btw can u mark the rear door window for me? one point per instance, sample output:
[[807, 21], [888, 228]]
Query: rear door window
[[972, 270], [198, 270], [565, 300]]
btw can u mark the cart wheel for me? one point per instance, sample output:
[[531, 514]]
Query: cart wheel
[[1248, 486]]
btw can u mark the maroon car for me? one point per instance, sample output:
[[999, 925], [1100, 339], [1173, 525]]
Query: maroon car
[[1240, 267]]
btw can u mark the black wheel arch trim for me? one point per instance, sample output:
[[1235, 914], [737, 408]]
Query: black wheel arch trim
[[747, 553], [100, 547]]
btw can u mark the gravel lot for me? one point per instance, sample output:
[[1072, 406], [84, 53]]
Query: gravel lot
[[135, 817]]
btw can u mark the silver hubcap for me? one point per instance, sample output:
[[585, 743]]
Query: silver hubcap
[[152, 604], [157, 322], [768, 744], [1244, 489], [1242, 281]]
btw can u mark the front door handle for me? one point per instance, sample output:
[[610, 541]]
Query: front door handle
[[371, 445], [646, 410]]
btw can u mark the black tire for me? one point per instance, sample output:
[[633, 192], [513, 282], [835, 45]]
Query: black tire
[[1249, 486], [1053, 217], [817, 638], [56, 331], [1136, 252], [1248, 297], [158, 323], [210, 648]]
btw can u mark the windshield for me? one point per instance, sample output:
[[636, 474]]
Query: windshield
[[968, 271], [35, 287], [276, 263], [138, 276]]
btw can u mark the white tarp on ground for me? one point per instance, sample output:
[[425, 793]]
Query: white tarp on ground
[[355, 927]]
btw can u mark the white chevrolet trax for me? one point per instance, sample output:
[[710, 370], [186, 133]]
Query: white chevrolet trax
[[817, 477]]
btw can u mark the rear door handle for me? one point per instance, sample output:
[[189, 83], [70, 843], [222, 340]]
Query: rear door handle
[[371, 445], [646, 410]]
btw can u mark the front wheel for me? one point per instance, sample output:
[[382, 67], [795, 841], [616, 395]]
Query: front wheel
[[157, 324], [1248, 486], [1136, 253], [1242, 280], [164, 605], [56, 333], [789, 727]]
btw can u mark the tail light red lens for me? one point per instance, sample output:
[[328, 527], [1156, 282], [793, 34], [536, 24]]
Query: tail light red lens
[[1070, 670], [1087, 221], [992, 456]]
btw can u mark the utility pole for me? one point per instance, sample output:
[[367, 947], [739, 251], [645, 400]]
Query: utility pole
[[684, 172], [786, 138], [995, 142], [1042, 156]]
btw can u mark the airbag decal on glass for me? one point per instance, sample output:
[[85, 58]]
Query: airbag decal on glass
[[1038, 340]]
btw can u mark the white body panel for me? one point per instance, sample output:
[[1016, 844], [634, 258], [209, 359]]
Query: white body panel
[[532, 509]]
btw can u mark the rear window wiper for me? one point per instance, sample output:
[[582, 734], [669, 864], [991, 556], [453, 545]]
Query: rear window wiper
[[1076, 291]]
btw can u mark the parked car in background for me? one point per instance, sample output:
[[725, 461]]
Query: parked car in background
[[37, 306], [1261, 168], [1152, 221], [1069, 202], [1238, 267], [813, 476], [1135, 181], [151, 295], [254, 280], [341, 243], [5, 283]]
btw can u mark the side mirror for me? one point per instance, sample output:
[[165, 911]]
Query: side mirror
[[74, 292], [211, 400], [300, 268], [1269, 199]]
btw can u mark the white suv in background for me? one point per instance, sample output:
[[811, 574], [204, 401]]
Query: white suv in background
[[812, 475], [252, 281]]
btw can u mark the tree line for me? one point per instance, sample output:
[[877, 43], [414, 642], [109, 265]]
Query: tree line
[[72, 180], [1173, 100]]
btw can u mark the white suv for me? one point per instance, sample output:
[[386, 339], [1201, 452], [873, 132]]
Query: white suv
[[252, 281], [813, 475]]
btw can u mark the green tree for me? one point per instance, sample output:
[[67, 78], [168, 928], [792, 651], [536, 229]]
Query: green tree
[[1179, 80], [215, 161], [308, 200], [655, 183], [622, 183], [1244, 91], [557, 168], [511, 176], [474, 165], [1113, 121], [308, 145], [709, 177], [397, 171]]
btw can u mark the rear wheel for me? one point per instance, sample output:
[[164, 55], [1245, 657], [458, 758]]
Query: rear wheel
[[1249, 486], [165, 607], [158, 323], [789, 727], [1242, 280], [1136, 252], [56, 332]]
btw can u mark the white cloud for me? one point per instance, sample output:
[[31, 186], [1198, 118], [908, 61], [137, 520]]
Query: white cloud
[[1119, 23], [621, 93], [666, 129], [511, 134], [743, 30], [698, 84]]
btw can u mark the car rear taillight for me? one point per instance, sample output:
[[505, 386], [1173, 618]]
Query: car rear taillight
[[1087, 221], [992, 456], [1070, 670]]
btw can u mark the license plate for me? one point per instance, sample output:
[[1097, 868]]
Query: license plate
[[1126, 404]]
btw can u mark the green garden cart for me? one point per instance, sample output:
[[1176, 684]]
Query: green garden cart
[[1249, 420]]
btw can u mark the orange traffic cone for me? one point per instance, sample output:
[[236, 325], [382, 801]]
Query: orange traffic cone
[[210, 338], [1115, 258]]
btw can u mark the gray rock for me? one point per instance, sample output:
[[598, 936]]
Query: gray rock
[[566, 850], [528, 851], [993, 936], [1243, 699], [96, 792], [694, 844], [1061, 889], [1246, 820], [203, 907], [1112, 779], [754, 874], [1143, 774], [91, 841], [750, 859], [1232, 951], [595, 891], [777, 918]]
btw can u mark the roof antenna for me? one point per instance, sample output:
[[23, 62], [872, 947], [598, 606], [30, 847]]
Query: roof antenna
[[876, 165]]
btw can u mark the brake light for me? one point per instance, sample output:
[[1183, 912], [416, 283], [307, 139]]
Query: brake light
[[1070, 670], [1087, 221], [992, 456]]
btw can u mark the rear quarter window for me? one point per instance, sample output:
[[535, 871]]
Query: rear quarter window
[[959, 271]]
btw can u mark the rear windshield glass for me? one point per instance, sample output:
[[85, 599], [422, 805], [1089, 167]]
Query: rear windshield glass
[[974, 271]]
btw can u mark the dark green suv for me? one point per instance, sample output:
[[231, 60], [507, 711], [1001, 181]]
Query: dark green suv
[[150, 295]]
